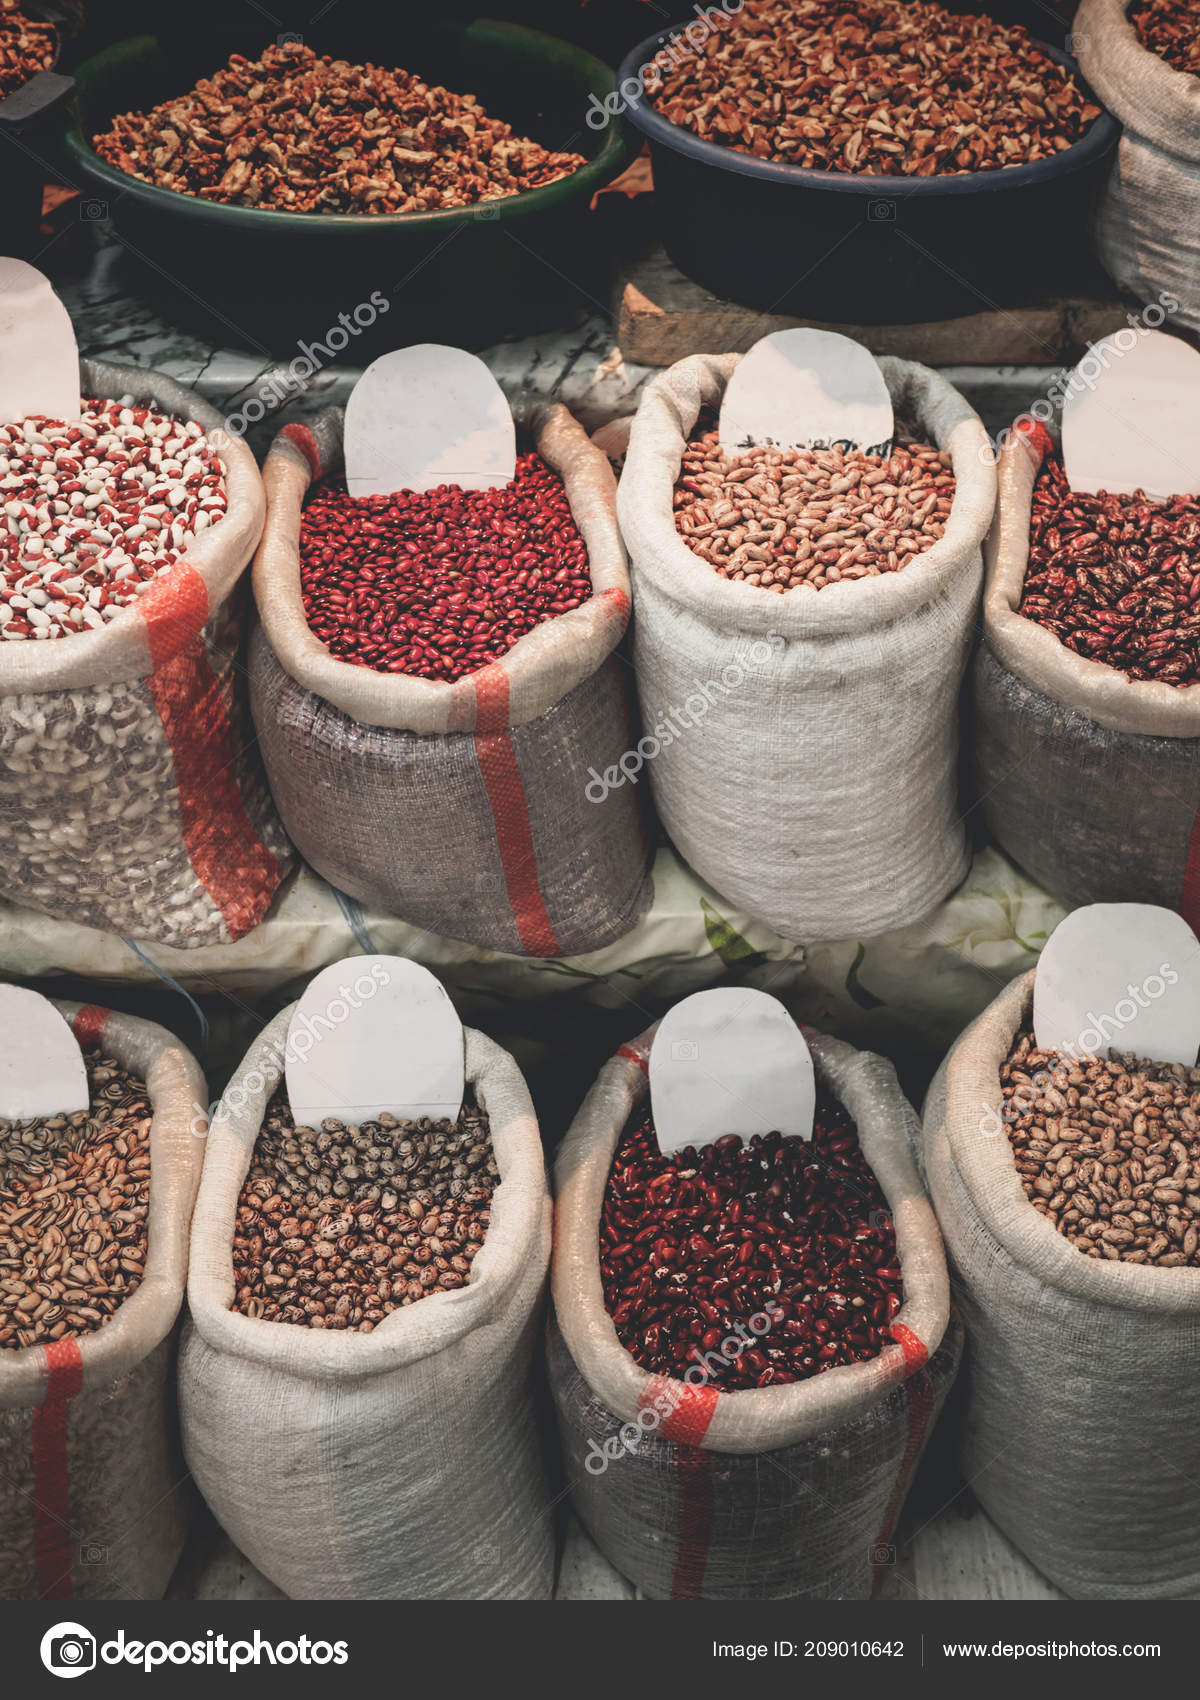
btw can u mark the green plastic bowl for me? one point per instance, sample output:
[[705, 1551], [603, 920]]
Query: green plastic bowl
[[276, 280]]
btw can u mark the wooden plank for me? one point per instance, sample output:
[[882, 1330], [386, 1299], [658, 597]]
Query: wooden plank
[[662, 316]]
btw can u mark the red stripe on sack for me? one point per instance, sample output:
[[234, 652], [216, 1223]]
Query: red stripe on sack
[[635, 1057], [88, 1023], [918, 1394], [692, 1409], [1037, 436], [619, 599], [51, 1476], [302, 438], [510, 813], [693, 1475], [232, 863], [916, 1353]]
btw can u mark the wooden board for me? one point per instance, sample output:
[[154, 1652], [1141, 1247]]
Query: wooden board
[[662, 316]]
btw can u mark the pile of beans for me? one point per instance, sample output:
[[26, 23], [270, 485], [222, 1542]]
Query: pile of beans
[[1116, 578], [889, 88], [296, 132], [94, 510], [1109, 1151], [26, 47], [787, 518], [74, 1198], [1168, 28], [784, 1232], [438, 583], [339, 1226]]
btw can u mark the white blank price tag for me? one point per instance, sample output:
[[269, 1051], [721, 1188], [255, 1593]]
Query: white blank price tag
[[374, 1033], [806, 389], [1131, 419], [1121, 976], [39, 358], [730, 1060], [42, 1071], [425, 416]]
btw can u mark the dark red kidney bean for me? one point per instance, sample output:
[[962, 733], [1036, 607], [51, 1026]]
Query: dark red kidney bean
[[803, 1227]]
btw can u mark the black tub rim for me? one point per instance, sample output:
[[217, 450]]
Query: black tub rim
[[1088, 150], [609, 159]]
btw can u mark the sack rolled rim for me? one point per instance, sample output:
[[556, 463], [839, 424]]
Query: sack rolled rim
[[759, 1419]]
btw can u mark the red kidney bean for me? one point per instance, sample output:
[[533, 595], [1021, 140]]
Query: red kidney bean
[[1116, 578], [438, 583], [803, 1227]]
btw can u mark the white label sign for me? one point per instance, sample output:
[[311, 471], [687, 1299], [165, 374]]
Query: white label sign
[[374, 1033], [1120, 976], [41, 1066], [807, 389], [730, 1060], [425, 416], [1131, 419], [39, 359]]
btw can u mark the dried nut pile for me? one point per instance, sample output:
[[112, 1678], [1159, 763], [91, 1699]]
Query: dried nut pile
[[1109, 1151], [1169, 28], [95, 510], [885, 88], [338, 1227], [26, 47], [764, 1263], [1116, 578], [295, 132], [787, 518], [74, 1198], [439, 583]]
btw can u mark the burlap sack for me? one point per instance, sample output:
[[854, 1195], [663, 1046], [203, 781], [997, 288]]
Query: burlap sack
[[1089, 779], [131, 797], [783, 1492], [1081, 1374], [469, 809], [1148, 221], [814, 780], [403, 1464], [94, 1501]]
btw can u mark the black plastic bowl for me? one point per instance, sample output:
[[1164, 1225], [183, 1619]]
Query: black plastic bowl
[[852, 249], [273, 280], [27, 133]]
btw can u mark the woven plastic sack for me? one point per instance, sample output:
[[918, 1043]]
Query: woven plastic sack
[[402, 1464], [816, 786], [94, 1501], [1088, 779], [1079, 1371], [131, 798], [469, 809], [1148, 220], [781, 1492]]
